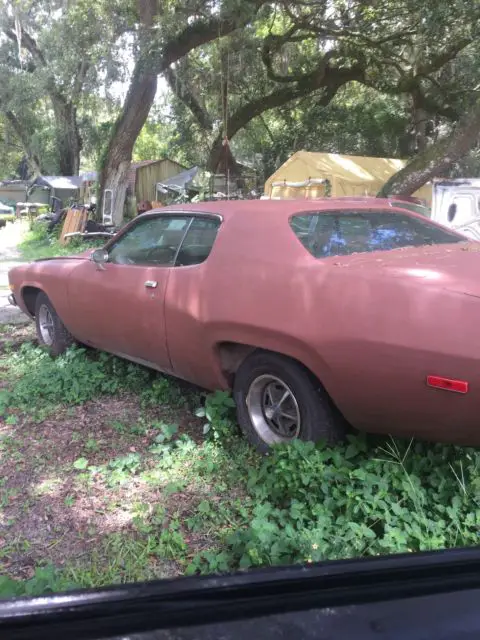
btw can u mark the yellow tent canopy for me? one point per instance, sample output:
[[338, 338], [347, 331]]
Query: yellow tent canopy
[[304, 175]]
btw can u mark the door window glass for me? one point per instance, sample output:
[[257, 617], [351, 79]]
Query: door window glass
[[152, 241], [198, 241]]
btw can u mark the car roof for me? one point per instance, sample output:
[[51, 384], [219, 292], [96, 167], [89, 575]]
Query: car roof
[[227, 208]]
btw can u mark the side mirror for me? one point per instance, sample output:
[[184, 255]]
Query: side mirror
[[99, 257]]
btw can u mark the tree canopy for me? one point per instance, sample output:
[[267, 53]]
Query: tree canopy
[[247, 80]]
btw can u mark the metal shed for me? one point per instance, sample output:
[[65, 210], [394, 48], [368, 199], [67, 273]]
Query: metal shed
[[64, 188], [144, 177], [13, 191]]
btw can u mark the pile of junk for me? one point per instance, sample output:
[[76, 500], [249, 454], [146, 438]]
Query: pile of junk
[[78, 220]]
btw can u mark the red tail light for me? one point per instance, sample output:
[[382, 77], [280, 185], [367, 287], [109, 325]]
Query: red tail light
[[457, 386]]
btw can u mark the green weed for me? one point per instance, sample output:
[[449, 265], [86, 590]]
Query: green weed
[[118, 559], [163, 391], [44, 383], [46, 580], [303, 503], [38, 243]]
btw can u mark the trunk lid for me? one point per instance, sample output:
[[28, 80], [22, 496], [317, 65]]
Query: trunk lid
[[455, 267]]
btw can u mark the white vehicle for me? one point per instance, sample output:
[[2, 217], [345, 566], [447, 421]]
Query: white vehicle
[[456, 205]]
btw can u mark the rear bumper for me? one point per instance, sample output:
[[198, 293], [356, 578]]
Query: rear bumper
[[12, 301]]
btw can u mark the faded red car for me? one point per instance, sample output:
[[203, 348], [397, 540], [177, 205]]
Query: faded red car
[[317, 313]]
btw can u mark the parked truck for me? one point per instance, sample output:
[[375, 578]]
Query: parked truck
[[456, 204]]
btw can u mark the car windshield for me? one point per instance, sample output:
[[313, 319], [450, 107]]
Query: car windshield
[[342, 233]]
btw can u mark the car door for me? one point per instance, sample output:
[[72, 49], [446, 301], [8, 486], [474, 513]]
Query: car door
[[119, 306], [187, 314]]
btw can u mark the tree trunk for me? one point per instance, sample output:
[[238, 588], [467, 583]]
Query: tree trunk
[[437, 158], [118, 183], [143, 87], [114, 174], [139, 100], [32, 158], [69, 143]]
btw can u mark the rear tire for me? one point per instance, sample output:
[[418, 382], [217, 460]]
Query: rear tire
[[51, 332], [278, 401]]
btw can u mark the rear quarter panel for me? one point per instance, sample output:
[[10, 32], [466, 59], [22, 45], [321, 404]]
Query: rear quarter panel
[[382, 335]]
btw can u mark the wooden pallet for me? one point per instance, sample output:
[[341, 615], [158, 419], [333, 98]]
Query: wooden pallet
[[74, 222]]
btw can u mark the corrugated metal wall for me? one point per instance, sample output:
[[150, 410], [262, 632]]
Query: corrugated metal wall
[[148, 176], [39, 194], [15, 193]]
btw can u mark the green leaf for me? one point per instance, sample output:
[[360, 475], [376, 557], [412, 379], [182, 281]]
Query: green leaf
[[351, 451], [80, 463]]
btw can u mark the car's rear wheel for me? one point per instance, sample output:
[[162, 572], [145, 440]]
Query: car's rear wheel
[[51, 332], [279, 401]]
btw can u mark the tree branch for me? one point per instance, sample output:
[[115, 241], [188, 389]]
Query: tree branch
[[437, 158], [203, 31], [273, 44], [440, 60], [24, 138], [180, 89], [329, 79], [30, 45], [79, 80]]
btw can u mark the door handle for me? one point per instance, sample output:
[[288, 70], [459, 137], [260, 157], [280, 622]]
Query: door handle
[[151, 284]]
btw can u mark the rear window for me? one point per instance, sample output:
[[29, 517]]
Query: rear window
[[411, 206], [344, 233]]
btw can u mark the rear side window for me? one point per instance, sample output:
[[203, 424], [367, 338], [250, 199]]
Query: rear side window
[[341, 234], [198, 242], [411, 206]]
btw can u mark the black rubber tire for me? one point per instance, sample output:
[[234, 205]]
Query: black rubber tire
[[62, 338], [320, 420]]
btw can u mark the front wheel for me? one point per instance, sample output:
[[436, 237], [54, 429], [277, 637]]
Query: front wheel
[[279, 401], [51, 332]]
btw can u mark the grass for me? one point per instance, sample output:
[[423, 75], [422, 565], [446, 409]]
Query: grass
[[38, 243], [137, 476]]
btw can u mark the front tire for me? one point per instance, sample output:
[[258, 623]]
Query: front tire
[[51, 332], [279, 401]]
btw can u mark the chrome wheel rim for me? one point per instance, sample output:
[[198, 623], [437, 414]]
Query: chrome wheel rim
[[273, 410], [45, 324]]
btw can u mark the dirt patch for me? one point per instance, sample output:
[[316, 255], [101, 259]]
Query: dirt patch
[[72, 481]]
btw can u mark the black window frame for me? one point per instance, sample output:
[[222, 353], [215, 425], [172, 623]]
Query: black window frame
[[166, 214]]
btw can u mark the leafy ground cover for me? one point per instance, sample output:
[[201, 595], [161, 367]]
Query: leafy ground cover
[[38, 243], [111, 473]]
